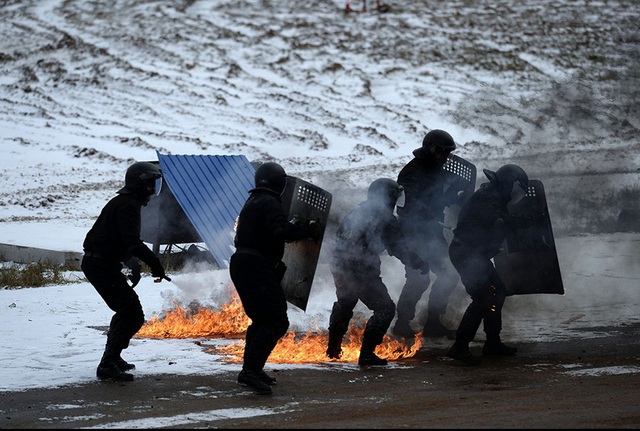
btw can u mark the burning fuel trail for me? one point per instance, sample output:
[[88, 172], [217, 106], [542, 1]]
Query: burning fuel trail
[[294, 348]]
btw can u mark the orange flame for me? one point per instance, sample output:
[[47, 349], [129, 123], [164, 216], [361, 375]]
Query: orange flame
[[311, 347], [229, 322], [293, 348]]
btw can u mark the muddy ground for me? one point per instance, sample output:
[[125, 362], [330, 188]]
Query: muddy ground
[[580, 383]]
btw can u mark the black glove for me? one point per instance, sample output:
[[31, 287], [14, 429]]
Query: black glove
[[134, 266], [315, 231], [157, 271]]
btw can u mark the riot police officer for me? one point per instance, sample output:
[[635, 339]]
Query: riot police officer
[[482, 227], [364, 233], [422, 221], [256, 270], [113, 240]]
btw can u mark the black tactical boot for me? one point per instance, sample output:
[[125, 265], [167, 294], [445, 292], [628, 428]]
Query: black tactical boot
[[334, 352], [108, 368], [110, 371], [334, 349], [370, 358], [271, 381], [460, 351], [498, 348], [124, 365], [369, 344], [254, 380]]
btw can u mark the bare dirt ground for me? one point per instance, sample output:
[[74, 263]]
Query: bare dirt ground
[[581, 383]]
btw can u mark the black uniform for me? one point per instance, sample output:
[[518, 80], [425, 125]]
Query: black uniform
[[114, 239], [422, 219], [477, 239], [482, 226], [256, 270], [363, 234]]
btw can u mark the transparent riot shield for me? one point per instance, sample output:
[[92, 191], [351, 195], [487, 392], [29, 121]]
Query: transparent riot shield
[[304, 202], [528, 262]]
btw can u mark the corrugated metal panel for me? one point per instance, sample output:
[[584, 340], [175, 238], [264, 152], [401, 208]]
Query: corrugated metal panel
[[211, 191]]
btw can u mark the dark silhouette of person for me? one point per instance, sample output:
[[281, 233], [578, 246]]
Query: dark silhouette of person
[[256, 270], [113, 240], [482, 227], [422, 221], [364, 233]]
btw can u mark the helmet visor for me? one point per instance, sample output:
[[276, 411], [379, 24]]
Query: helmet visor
[[284, 184], [518, 191], [442, 150], [158, 186], [152, 186], [441, 155], [400, 200]]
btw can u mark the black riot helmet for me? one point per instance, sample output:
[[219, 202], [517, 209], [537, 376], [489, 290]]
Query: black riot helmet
[[142, 179], [386, 192], [510, 180], [437, 144], [272, 176]]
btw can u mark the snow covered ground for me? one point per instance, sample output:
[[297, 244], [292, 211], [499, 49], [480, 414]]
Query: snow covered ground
[[87, 88]]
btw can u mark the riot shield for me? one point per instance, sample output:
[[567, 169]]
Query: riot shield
[[304, 202], [460, 174], [528, 262]]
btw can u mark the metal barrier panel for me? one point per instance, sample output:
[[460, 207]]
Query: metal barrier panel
[[163, 221], [211, 191]]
